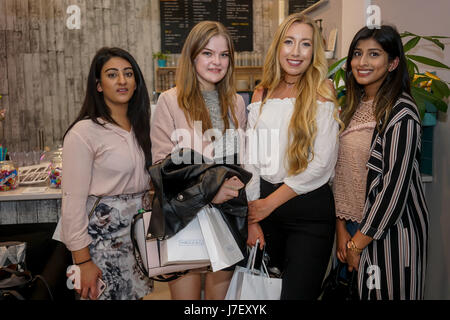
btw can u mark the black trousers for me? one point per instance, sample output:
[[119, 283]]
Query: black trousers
[[299, 238]]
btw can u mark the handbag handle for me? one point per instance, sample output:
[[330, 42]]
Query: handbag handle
[[252, 256], [252, 260], [97, 200], [265, 271]]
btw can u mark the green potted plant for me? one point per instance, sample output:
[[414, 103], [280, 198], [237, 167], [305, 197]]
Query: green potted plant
[[161, 57], [429, 91]]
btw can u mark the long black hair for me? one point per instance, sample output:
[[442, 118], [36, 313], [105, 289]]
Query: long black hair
[[396, 82], [138, 113]]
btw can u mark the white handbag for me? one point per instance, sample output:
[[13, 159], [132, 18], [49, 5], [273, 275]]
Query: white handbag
[[148, 252], [221, 246], [251, 284]]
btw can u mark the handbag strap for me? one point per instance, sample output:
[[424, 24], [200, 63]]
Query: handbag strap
[[15, 293], [156, 228], [352, 279], [264, 268], [138, 258], [28, 280], [252, 256], [252, 259], [94, 206], [137, 254]]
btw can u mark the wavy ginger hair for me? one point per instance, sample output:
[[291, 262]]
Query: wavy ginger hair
[[312, 84], [189, 95]]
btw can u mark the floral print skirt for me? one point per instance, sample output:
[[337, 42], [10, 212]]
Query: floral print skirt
[[112, 249]]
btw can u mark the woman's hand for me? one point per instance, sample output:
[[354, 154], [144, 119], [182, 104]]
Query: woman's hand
[[342, 237], [353, 259], [361, 241], [254, 233], [89, 273], [229, 190], [258, 210]]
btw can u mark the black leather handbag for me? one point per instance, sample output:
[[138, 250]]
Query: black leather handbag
[[336, 288]]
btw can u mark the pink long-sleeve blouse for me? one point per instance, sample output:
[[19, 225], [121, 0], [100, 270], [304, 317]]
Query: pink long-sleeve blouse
[[100, 161]]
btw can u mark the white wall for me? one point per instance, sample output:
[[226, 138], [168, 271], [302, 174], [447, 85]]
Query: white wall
[[331, 15], [353, 19]]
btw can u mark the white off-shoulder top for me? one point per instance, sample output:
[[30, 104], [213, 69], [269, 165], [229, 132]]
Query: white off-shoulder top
[[267, 142]]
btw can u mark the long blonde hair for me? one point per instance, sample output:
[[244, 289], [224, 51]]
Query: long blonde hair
[[311, 85], [189, 95]]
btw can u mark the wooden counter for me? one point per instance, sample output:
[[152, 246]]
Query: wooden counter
[[30, 204], [31, 193]]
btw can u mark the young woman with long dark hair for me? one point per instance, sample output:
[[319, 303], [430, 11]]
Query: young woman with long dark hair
[[382, 217], [105, 155]]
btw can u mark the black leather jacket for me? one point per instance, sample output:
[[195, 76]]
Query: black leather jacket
[[181, 190]]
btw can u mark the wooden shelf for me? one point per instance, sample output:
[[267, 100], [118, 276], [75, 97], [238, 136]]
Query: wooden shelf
[[165, 77]]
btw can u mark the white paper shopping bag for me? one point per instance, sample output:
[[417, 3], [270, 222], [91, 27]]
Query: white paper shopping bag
[[251, 284], [260, 287], [222, 247], [186, 246], [147, 251], [235, 287]]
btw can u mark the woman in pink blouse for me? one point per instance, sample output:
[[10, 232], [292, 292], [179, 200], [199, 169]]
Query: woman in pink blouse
[[106, 152]]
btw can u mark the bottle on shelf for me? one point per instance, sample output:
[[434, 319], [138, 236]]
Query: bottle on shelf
[[55, 171], [9, 177]]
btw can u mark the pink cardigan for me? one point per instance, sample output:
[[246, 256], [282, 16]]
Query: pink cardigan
[[170, 127]]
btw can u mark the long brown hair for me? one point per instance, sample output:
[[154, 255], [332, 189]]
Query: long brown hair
[[311, 85], [396, 82], [189, 96]]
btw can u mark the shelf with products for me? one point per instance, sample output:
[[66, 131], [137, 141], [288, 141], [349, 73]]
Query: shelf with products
[[246, 77]]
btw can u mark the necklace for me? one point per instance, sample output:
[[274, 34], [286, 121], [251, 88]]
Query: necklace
[[288, 83]]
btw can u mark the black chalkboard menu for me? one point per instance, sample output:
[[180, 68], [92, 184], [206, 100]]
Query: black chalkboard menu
[[178, 17], [300, 5]]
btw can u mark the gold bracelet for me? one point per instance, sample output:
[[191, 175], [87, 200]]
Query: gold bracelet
[[352, 246]]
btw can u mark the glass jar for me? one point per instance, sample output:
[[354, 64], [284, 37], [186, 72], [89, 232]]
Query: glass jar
[[55, 171], [9, 177]]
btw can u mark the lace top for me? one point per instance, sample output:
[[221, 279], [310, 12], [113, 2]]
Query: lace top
[[351, 172]]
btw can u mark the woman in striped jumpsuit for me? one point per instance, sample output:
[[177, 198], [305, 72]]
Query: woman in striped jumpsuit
[[389, 247]]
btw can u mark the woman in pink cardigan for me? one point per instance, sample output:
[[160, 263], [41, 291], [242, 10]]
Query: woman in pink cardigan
[[203, 113]]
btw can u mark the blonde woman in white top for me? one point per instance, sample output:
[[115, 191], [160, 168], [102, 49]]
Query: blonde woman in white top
[[293, 116]]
